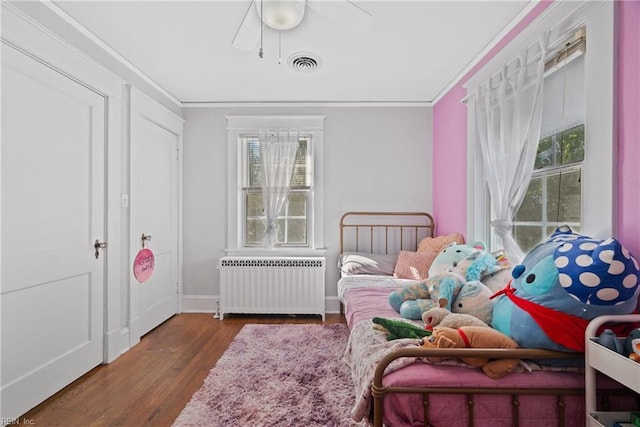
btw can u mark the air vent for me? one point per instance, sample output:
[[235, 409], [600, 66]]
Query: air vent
[[304, 62]]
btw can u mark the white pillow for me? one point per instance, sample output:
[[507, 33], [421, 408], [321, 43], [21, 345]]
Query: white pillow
[[352, 263]]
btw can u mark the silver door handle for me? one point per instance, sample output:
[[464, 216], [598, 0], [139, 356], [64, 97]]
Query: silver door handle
[[145, 238], [99, 245]]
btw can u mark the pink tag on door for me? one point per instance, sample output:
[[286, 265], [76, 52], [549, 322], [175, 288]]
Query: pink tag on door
[[143, 265]]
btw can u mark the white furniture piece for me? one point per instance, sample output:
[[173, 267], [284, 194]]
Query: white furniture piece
[[272, 285], [614, 365]]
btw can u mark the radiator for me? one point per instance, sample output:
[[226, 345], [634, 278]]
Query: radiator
[[272, 285]]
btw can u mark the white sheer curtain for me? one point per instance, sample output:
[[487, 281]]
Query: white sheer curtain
[[508, 112], [278, 150]]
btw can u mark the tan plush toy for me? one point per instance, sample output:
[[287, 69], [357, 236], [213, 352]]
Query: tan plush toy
[[474, 337], [440, 316]]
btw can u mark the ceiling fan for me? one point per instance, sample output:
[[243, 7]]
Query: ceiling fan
[[282, 15]]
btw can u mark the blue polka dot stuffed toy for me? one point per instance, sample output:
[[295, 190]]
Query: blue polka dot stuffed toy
[[561, 285]]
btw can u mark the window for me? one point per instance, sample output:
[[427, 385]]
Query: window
[[594, 174], [292, 221], [301, 221], [554, 196]]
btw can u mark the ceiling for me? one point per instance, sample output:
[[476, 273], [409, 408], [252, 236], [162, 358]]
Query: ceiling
[[412, 52]]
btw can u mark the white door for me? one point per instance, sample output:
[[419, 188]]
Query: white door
[[154, 213], [53, 210]]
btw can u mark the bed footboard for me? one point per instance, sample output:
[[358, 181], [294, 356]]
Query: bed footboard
[[379, 390]]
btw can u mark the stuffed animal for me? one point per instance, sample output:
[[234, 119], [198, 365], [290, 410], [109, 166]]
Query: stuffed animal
[[498, 277], [474, 298], [452, 293], [440, 290], [560, 286], [451, 255], [439, 316], [413, 299], [498, 280], [474, 337], [476, 265], [396, 329], [438, 243]]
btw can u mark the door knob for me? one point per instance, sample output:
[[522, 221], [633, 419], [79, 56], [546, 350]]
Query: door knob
[[99, 245], [145, 238]]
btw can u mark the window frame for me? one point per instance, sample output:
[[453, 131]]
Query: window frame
[[239, 126], [308, 190], [544, 174], [598, 178]]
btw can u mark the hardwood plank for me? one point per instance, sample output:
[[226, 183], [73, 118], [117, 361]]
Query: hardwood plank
[[151, 383]]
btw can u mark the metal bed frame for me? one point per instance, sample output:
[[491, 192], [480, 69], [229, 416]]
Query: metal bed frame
[[417, 224], [379, 390], [380, 225]]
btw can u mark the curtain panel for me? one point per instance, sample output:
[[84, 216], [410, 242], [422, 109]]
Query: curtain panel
[[508, 113], [278, 150]]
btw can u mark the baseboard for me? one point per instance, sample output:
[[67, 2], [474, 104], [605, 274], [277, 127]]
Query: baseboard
[[332, 305], [117, 342], [209, 304], [200, 303]]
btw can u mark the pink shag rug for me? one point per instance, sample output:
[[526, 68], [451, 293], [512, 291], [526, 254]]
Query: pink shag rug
[[277, 375]]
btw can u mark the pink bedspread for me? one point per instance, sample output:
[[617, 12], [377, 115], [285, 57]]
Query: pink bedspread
[[368, 301], [364, 303]]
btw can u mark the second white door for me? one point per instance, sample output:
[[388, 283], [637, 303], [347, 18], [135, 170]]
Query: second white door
[[154, 213]]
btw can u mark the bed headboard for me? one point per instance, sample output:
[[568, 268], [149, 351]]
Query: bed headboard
[[384, 232]]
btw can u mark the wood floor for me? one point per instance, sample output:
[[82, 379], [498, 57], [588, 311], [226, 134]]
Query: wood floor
[[151, 383]]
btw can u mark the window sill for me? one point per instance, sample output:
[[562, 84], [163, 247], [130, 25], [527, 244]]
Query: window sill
[[276, 252]]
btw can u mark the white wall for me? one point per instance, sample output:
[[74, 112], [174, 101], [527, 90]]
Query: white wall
[[376, 159], [36, 29]]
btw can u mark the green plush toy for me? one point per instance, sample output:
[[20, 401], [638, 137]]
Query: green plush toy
[[396, 329]]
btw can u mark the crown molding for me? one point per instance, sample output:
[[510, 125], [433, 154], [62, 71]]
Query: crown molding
[[62, 25], [497, 39], [358, 104]]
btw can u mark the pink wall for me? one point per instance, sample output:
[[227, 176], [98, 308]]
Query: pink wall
[[628, 104], [450, 171], [450, 138], [450, 144]]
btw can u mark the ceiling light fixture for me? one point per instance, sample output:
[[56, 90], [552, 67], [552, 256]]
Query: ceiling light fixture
[[281, 15]]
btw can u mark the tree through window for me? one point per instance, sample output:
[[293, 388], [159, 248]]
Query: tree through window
[[554, 196]]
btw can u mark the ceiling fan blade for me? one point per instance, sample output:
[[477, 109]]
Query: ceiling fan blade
[[344, 13], [248, 33]]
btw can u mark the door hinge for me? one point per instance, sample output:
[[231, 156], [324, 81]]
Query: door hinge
[[177, 154]]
